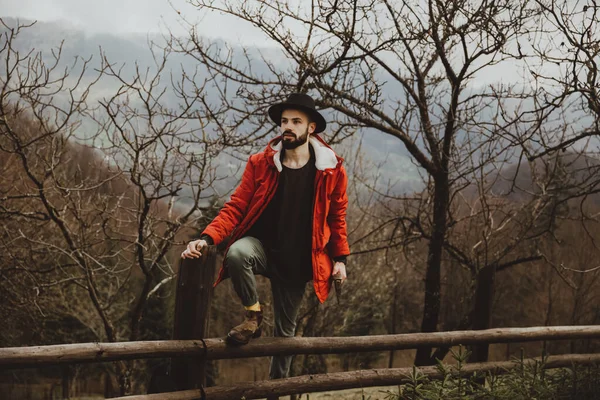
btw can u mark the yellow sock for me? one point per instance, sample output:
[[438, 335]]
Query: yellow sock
[[254, 307]]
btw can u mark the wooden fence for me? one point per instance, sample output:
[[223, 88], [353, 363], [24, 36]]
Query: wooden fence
[[189, 350], [217, 349], [19, 357], [350, 380]]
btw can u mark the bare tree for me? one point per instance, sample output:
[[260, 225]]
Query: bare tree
[[404, 69], [564, 71], [503, 222], [97, 192]]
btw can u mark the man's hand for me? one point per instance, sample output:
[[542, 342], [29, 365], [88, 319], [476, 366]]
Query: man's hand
[[339, 271], [194, 249]]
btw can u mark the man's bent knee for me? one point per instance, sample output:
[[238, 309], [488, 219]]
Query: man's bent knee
[[240, 256]]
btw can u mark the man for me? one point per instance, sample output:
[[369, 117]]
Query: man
[[286, 221]]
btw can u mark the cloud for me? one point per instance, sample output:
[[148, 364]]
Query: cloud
[[126, 16], [105, 16]]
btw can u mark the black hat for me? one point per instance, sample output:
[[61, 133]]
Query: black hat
[[302, 102]]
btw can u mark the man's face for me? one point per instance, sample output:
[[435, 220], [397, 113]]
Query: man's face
[[295, 128]]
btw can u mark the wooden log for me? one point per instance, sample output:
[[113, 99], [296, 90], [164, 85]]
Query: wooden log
[[192, 313], [340, 345], [350, 380], [23, 357], [217, 349]]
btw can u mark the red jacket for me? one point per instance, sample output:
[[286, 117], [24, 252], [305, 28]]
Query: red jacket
[[257, 188]]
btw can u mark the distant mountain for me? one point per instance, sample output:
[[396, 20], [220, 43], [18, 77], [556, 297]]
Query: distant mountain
[[132, 50], [47, 36]]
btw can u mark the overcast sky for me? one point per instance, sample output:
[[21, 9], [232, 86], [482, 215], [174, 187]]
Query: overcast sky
[[144, 16], [120, 16]]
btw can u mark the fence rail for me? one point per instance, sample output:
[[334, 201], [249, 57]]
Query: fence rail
[[188, 350], [353, 379], [216, 349]]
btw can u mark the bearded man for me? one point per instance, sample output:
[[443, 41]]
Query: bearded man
[[286, 220]]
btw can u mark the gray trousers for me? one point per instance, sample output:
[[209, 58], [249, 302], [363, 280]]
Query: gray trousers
[[245, 259]]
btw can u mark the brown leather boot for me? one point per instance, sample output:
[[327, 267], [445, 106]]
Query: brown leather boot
[[248, 329]]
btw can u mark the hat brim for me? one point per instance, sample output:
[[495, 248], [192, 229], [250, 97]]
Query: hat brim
[[276, 110]]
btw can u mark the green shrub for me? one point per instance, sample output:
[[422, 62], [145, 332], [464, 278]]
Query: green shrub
[[528, 380]]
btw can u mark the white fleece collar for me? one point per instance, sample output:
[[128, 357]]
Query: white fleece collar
[[324, 157]]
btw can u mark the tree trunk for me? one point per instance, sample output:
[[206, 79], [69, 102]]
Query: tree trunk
[[431, 309], [108, 386], [482, 309], [393, 317], [548, 320], [66, 381], [123, 372], [577, 304]]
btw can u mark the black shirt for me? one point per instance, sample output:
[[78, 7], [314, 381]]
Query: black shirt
[[285, 226]]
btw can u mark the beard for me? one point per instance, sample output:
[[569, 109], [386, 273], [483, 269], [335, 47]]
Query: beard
[[290, 144]]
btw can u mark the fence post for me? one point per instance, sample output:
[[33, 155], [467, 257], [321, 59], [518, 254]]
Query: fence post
[[192, 309]]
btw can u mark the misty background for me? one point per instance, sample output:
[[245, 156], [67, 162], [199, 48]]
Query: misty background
[[128, 32]]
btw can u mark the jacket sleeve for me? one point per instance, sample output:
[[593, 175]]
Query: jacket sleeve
[[233, 212], [338, 242]]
